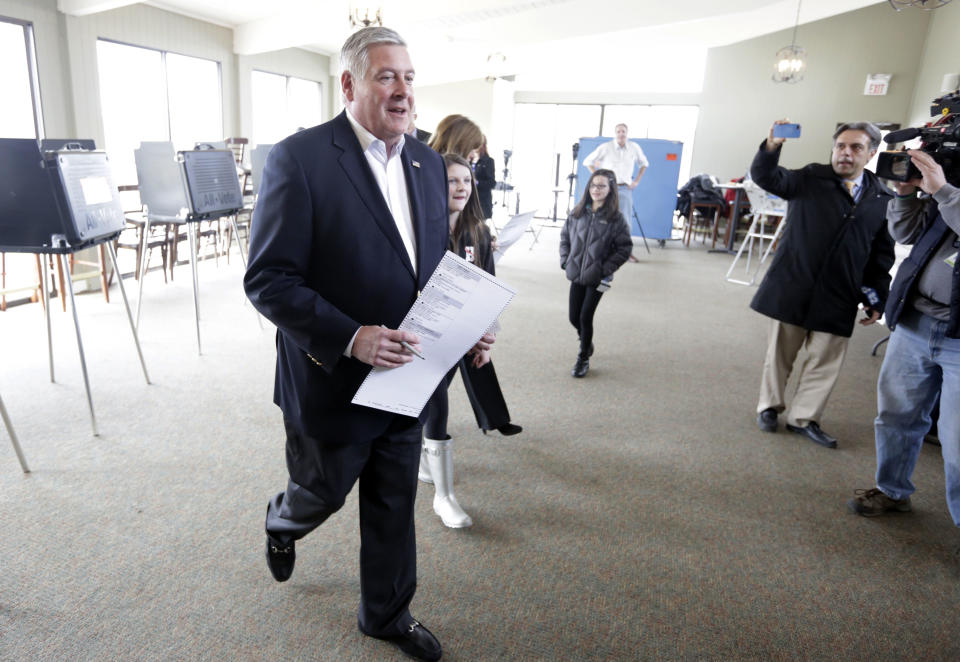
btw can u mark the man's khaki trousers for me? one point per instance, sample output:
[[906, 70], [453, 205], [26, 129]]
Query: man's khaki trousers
[[818, 372]]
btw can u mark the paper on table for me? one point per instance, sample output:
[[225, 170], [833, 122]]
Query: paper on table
[[458, 305], [511, 232]]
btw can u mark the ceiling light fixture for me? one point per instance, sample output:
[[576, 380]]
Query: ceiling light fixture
[[791, 60], [926, 5], [366, 21], [496, 66]]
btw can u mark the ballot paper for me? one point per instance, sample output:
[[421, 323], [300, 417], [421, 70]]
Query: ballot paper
[[458, 305], [511, 232]]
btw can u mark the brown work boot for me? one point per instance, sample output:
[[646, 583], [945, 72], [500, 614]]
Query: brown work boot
[[873, 502]]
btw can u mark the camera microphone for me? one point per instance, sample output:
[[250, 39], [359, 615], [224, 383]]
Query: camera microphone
[[902, 135]]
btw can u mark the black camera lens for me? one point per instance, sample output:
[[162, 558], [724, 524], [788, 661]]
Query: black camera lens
[[896, 166]]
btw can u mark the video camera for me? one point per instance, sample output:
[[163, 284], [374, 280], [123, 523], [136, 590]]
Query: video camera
[[940, 138]]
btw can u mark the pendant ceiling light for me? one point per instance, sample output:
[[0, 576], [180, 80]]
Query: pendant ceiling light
[[791, 60], [926, 5], [360, 17]]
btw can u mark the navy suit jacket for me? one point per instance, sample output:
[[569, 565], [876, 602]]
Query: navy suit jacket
[[326, 258]]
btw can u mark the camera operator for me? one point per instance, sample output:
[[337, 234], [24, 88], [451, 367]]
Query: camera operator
[[923, 356], [835, 253]]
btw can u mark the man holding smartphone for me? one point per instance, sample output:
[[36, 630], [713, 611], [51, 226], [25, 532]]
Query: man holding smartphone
[[835, 253]]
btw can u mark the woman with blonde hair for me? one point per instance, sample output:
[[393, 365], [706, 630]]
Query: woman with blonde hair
[[456, 134]]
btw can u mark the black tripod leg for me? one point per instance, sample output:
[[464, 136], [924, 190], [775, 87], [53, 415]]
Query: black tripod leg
[[876, 346], [640, 225]]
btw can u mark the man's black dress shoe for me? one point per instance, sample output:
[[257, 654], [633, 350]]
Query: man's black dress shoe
[[813, 432], [767, 420], [417, 642], [280, 559], [509, 429]]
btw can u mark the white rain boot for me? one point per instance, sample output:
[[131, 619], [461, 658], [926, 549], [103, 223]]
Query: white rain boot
[[423, 475], [440, 460]]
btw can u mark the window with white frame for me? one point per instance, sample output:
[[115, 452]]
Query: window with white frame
[[283, 104], [148, 95], [20, 115]]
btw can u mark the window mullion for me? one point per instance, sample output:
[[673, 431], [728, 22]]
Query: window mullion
[[28, 42], [166, 91]]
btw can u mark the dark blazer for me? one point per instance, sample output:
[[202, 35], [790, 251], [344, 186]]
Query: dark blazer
[[486, 174], [326, 258], [830, 248]]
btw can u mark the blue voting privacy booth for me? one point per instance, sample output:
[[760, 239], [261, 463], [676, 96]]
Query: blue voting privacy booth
[[655, 197]]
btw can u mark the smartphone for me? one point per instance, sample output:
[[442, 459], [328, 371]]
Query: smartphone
[[786, 130]]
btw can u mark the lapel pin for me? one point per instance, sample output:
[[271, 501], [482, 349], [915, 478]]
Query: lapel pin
[[415, 164]]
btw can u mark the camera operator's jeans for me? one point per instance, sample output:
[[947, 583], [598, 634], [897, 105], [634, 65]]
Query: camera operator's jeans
[[920, 363]]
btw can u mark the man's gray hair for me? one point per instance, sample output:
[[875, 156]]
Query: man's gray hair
[[867, 127], [354, 55]]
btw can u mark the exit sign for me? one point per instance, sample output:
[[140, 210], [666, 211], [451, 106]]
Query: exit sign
[[877, 84]]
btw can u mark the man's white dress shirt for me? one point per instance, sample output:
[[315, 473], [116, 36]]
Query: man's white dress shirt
[[621, 160]]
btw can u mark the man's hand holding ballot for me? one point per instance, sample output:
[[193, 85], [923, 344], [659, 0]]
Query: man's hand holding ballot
[[382, 347], [458, 303]]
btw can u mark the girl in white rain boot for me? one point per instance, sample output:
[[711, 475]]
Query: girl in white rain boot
[[470, 239], [439, 456]]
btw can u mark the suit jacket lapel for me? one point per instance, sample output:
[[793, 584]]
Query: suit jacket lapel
[[355, 165], [411, 173]]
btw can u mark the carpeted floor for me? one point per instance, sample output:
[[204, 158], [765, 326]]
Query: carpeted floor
[[639, 516]]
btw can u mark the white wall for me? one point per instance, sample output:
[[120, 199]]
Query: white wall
[[941, 55], [737, 103], [739, 100], [488, 104], [473, 98]]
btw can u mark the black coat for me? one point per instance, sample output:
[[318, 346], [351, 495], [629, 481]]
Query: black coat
[[830, 247], [486, 174], [592, 247], [699, 190]]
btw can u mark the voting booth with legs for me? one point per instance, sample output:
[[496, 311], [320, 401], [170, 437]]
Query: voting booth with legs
[[60, 202], [13, 437], [655, 197], [213, 191], [187, 187]]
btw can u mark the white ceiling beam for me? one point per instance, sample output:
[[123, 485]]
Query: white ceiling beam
[[320, 25], [86, 7]]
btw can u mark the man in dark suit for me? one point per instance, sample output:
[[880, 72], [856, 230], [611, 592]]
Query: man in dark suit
[[350, 223], [412, 130]]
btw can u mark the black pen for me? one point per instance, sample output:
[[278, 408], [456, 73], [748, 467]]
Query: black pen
[[407, 346]]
